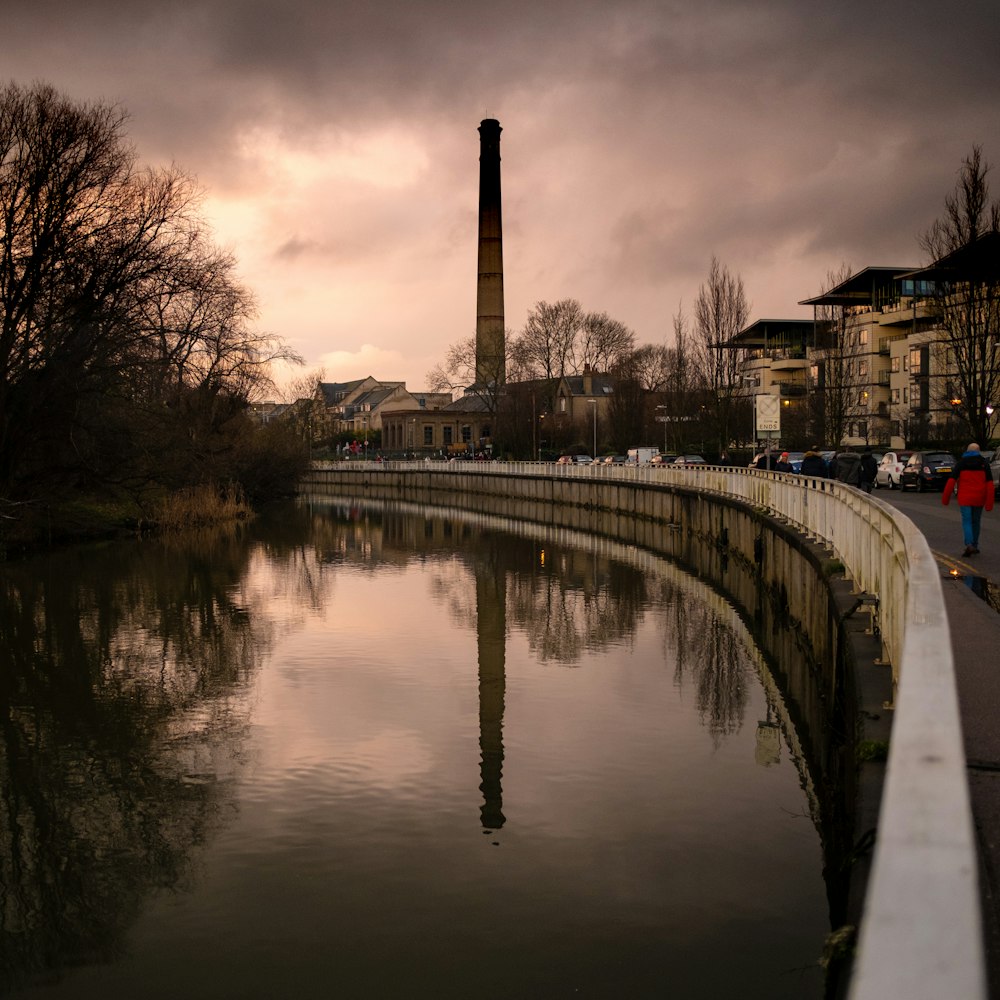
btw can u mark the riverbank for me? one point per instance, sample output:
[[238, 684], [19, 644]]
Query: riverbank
[[34, 525]]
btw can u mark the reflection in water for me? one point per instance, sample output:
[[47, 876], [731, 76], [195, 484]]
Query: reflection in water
[[121, 725], [145, 727], [491, 604]]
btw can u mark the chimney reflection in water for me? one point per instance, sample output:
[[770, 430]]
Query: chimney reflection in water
[[491, 627]]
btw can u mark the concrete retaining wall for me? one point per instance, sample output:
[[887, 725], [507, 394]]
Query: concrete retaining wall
[[804, 611]]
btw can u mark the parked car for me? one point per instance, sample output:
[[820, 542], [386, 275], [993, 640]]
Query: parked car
[[582, 460], [927, 470], [614, 460], [890, 469], [564, 460], [663, 459], [689, 460]]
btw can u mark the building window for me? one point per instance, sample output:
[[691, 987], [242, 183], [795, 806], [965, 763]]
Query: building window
[[862, 337], [906, 395], [894, 396], [449, 435], [428, 434], [863, 369], [862, 429], [466, 433], [894, 365], [862, 398], [894, 428], [562, 404]]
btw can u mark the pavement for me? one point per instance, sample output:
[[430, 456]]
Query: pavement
[[971, 587]]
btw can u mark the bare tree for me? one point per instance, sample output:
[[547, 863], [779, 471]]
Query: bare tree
[[721, 311], [600, 344], [836, 398], [965, 284], [460, 372], [117, 316], [546, 345]]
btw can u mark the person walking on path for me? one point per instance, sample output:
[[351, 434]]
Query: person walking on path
[[972, 481], [867, 469], [813, 464]]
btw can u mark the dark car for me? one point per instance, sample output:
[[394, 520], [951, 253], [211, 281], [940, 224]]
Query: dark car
[[927, 470]]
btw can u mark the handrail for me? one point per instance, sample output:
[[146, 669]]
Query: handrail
[[921, 931]]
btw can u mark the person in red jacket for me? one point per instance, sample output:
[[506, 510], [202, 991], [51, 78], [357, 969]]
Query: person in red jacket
[[972, 480]]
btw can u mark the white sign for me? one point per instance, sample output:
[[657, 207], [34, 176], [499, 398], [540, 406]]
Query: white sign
[[768, 413]]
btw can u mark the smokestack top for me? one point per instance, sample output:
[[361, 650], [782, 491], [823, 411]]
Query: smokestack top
[[489, 125]]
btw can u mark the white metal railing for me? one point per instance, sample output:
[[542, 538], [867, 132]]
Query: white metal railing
[[921, 935]]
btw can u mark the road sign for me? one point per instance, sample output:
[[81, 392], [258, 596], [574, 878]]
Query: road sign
[[768, 412]]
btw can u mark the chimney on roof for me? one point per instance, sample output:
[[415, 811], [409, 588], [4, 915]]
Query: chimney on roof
[[588, 380], [489, 288]]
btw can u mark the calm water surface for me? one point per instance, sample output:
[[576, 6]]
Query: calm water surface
[[375, 752]]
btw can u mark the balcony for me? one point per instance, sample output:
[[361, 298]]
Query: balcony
[[788, 362], [791, 389]]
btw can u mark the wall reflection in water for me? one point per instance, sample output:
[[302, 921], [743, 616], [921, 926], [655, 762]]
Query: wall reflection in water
[[128, 676]]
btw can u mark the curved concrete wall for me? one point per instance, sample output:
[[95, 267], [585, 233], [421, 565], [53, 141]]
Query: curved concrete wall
[[779, 541]]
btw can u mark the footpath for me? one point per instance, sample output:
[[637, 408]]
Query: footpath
[[972, 598]]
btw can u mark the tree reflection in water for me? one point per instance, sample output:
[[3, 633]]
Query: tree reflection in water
[[124, 676], [122, 672]]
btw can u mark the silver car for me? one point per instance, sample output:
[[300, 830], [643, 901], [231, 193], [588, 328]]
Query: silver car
[[890, 469]]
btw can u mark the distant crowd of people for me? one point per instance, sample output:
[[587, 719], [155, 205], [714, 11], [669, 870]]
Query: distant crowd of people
[[848, 467]]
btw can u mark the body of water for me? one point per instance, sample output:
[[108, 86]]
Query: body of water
[[376, 751]]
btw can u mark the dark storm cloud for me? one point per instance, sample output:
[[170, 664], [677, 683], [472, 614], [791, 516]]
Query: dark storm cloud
[[640, 137]]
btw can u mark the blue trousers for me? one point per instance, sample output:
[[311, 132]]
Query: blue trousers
[[971, 516]]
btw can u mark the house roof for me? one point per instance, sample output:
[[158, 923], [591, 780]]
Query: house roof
[[469, 403], [374, 396], [859, 289], [600, 385], [764, 331], [979, 259]]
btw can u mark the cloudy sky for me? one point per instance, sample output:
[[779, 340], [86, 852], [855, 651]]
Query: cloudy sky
[[336, 142]]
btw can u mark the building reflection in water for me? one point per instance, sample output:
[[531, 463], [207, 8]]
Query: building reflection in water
[[165, 641]]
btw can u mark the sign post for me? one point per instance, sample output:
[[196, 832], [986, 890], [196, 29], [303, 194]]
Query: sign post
[[768, 420]]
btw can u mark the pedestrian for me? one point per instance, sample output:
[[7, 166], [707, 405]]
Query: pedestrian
[[866, 471], [813, 463], [972, 481], [783, 465]]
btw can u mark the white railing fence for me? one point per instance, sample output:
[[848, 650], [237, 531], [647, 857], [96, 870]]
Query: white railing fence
[[921, 936]]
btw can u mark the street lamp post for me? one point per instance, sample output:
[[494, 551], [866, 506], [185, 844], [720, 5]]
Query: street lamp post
[[663, 420], [593, 402], [752, 380]]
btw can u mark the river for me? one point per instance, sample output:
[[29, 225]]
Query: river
[[378, 751]]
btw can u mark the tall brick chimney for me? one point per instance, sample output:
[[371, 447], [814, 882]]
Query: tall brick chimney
[[489, 288]]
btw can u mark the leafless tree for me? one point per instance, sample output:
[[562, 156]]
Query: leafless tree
[[545, 348], [459, 372], [115, 310], [600, 344], [836, 398], [721, 311], [965, 272]]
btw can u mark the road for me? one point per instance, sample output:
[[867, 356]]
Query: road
[[942, 527]]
